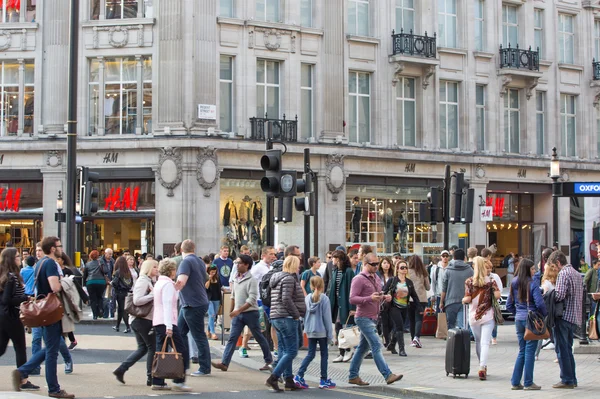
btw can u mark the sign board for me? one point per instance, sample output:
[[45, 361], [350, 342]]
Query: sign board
[[486, 213], [207, 111], [586, 188]]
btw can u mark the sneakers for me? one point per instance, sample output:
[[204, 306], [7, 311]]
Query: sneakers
[[219, 366], [393, 378], [181, 387], [300, 383], [162, 387], [69, 367], [326, 384], [72, 345], [532, 387], [402, 353], [358, 381], [416, 342], [517, 387], [369, 355], [348, 355], [562, 385], [266, 367], [36, 371], [61, 394], [243, 352], [547, 345], [28, 386], [199, 374], [338, 359]]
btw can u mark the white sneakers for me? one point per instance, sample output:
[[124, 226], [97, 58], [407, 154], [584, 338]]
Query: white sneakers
[[339, 359], [348, 355], [180, 387]]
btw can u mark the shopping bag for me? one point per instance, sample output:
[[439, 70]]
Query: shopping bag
[[593, 331], [442, 326]]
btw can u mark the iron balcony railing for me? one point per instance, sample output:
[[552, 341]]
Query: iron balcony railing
[[285, 130], [520, 59], [411, 44], [596, 69]]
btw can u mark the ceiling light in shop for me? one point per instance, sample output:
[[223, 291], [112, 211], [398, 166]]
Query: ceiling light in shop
[[509, 226], [524, 227]]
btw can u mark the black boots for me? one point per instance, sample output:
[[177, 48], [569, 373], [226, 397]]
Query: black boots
[[119, 373], [400, 339], [272, 382], [290, 385]]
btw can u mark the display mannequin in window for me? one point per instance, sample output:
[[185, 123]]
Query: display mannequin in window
[[243, 232], [356, 218], [388, 230], [256, 237], [402, 231], [230, 212], [257, 212], [231, 237], [245, 208]]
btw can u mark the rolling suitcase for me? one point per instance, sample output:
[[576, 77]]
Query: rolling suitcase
[[429, 326], [458, 350]]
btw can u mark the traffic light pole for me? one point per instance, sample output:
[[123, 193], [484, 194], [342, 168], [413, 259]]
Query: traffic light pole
[[69, 243], [270, 200], [307, 252], [447, 207]]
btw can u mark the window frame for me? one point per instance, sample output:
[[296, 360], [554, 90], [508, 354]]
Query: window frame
[[19, 87], [230, 82], [267, 4], [509, 115], [564, 124], [360, 30], [480, 40], [507, 26], [228, 4], [356, 97], [266, 86], [540, 132], [562, 40], [597, 39], [538, 41], [480, 108], [442, 26], [311, 90], [303, 16], [102, 11], [402, 98], [446, 104], [404, 9]]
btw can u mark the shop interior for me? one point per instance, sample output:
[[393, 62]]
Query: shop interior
[[136, 235], [20, 233]]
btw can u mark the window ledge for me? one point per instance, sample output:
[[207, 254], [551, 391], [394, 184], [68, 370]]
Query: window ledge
[[546, 63], [452, 50], [272, 25], [311, 31], [362, 39], [571, 67], [483, 54], [18, 25], [118, 22], [230, 21]]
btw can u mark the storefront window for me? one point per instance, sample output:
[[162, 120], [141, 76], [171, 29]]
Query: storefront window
[[11, 10], [11, 104], [21, 214]]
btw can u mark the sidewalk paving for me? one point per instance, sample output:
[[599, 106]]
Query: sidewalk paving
[[425, 376]]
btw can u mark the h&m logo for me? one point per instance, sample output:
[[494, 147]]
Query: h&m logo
[[111, 157]]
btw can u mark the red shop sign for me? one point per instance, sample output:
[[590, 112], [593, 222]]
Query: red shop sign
[[122, 199], [497, 205], [9, 199]]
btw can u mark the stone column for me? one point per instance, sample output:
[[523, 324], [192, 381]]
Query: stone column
[[140, 95], [54, 180], [101, 97], [21, 112], [478, 229]]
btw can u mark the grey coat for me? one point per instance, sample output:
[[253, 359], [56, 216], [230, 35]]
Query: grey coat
[[287, 298]]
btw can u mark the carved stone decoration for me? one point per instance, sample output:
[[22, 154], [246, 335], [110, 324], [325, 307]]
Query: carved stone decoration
[[272, 38], [23, 39], [533, 82], [140, 36], [53, 159], [114, 32], [119, 30], [564, 175], [596, 97], [208, 172], [479, 171], [398, 73], [335, 177], [251, 39], [5, 40], [504, 82], [170, 169], [427, 74], [293, 43]]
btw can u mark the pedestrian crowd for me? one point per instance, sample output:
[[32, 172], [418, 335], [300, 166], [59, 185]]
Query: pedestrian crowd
[[354, 299]]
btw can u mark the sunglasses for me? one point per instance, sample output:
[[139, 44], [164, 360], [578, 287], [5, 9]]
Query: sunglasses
[[373, 264], [403, 268], [444, 256]]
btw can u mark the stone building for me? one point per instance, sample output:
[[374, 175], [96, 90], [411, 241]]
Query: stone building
[[384, 93]]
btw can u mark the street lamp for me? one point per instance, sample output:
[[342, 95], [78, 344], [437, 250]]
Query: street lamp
[[59, 212], [556, 192]]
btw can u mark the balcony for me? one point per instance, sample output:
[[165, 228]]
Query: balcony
[[519, 59], [596, 69], [285, 130], [415, 45]]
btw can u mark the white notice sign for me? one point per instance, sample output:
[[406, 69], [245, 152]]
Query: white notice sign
[[207, 111], [486, 213]]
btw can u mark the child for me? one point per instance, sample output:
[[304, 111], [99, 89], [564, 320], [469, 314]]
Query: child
[[317, 326]]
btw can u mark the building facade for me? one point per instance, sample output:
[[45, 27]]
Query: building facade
[[174, 100]]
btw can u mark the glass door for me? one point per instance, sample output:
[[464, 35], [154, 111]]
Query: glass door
[[534, 238]]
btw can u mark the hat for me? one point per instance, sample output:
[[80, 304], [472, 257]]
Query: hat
[[340, 248], [30, 261], [444, 252]]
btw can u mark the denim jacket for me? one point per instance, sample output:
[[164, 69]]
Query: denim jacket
[[520, 309]]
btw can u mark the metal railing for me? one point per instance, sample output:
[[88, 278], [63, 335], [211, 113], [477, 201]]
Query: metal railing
[[596, 69], [285, 130], [520, 59], [411, 44]]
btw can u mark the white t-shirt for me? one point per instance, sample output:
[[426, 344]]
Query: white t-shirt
[[259, 270], [497, 280], [323, 269], [547, 286]]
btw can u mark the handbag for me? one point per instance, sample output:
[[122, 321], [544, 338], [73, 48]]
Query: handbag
[[535, 328], [592, 328], [168, 365], [42, 311], [498, 318], [442, 326], [135, 310], [349, 337]]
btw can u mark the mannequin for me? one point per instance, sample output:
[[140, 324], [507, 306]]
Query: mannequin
[[402, 232], [256, 237], [231, 236], [356, 218], [245, 206], [230, 212], [388, 230], [257, 212], [243, 232]]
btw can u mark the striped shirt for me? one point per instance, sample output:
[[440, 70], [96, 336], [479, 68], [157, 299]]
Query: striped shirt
[[569, 287]]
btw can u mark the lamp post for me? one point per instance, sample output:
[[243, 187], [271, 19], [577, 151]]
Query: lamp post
[[59, 212], [556, 192]]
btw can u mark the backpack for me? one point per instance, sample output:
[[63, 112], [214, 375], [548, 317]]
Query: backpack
[[505, 261], [264, 287]]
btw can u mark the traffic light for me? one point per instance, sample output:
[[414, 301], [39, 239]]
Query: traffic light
[[287, 184], [467, 206], [88, 193], [457, 182], [284, 209], [437, 204], [305, 204], [271, 164]]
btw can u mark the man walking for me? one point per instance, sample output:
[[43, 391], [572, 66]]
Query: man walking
[[108, 266], [437, 274], [453, 289], [244, 297], [569, 288], [365, 293], [191, 280]]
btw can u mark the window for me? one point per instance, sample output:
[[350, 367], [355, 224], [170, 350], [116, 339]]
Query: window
[[447, 21], [306, 89], [479, 26], [510, 26], [512, 125], [406, 106], [306, 13], [568, 124], [566, 39], [448, 114], [226, 94], [358, 17], [268, 10], [119, 9], [597, 40], [360, 107], [267, 89], [405, 15], [17, 11], [480, 116], [226, 8], [11, 104], [540, 121], [538, 31], [118, 97]]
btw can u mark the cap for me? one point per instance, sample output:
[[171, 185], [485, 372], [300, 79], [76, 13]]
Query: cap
[[340, 248], [444, 252]]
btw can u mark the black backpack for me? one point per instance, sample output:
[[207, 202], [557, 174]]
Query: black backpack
[[264, 287]]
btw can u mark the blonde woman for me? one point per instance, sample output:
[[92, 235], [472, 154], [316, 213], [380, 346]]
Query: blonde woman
[[548, 283], [317, 326], [480, 290]]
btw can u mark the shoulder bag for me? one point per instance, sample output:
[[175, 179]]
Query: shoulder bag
[[42, 311], [349, 337], [168, 365], [498, 318], [135, 310], [535, 328]]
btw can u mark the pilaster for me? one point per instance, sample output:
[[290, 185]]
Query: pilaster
[[54, 180]]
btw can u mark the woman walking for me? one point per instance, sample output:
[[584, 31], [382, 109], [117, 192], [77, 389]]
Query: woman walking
[[525, 295], [122, 283], [68, 269], [213, 289], [95, 280], [142, 326], [12, 294], [548, 283], [385, 272], [287, 306], [339, 297], [480, 291], [417, 273], [400, 288], [317, 326], [133, 270], [489, 267]]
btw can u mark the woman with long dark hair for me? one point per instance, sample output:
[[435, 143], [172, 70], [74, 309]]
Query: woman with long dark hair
[[417, 273], [339, 297], [386, 272], [525, 295], [122, 283], [68, 269], [95, 281], [12, 294]]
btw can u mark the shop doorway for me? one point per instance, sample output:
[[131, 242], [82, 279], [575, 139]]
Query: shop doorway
[[525, 239], [119, 234]]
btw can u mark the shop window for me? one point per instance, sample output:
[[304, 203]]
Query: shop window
[[268, 10], [267, 89], [447, 23], [512, 125], [448, 115], [17, 11], [405, 15], [12, 105], [360, 107], [480, 115], [306, 13], [406, 109], [358, 17], [226, 94], [568, 124], [479, 25], [120, 9], [306, 121], [566, 38]]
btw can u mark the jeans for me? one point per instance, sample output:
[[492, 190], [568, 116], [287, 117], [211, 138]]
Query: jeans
[[96, 294], [287, 335], [146, 342], [454, 315], [36, 345], [399, 316], [312, 350], [563, 345], [213, 309], [161, 334], [415, 315], [52, 338], [483, 336], [525, 358], [238, 323], [191, 319], [495, 331], [368, 339]]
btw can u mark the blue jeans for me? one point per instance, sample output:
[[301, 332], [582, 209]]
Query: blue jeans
[[563, 345], [495, 332], [525, 359], [180, 342], [238, 323], [287, 335], [312, 350], [213, 309], [455, 315], [52, 335], [191, 319], [368, 339], [36, 345]]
